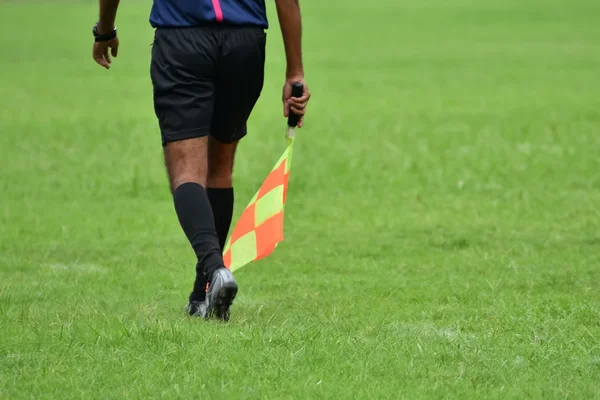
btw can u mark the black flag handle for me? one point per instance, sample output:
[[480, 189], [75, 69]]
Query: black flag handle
[[297, 91]]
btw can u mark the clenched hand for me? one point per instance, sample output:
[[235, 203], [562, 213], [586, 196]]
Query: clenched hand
[[296, 105]]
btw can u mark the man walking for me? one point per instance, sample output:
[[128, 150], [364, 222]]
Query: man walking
[[207, 71]]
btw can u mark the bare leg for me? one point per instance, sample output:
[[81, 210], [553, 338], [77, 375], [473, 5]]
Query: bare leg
[[220, 164], [187, 164], [187, 161]]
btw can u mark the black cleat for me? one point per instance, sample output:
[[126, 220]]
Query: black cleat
[[220, 295]]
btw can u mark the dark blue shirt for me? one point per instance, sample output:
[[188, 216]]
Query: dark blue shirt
[[182, 13]]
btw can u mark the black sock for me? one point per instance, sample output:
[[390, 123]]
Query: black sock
[[221, 202], [199, 291], [196, 219]]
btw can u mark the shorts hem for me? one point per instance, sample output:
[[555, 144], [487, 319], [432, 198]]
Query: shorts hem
[[183, 135], [228, 139]]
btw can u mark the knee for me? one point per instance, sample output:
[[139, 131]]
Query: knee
[[180, 180], [220, 172], [220, 164], [220, 178], [186, 161]]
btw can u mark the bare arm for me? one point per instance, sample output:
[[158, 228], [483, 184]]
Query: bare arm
[[108, 14], [106, 25], [290, 22]]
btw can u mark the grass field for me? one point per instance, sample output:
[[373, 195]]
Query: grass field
[[442, 231]]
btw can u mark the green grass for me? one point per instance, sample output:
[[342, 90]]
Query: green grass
[[442, 231]]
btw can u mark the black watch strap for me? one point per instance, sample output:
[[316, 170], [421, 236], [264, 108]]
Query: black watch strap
[[105, 37]]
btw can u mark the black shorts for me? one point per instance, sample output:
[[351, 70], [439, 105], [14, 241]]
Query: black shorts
[[206, 80]]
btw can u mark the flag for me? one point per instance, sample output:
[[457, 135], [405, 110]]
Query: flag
[[260, 226]]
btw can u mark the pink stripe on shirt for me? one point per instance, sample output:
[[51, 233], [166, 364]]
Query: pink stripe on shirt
[[218, 11]]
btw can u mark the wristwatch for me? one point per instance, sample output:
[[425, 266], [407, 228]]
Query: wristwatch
[[104, 37]]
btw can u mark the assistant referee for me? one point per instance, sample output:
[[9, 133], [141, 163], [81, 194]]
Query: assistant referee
[[207, 71]]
